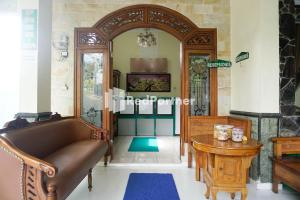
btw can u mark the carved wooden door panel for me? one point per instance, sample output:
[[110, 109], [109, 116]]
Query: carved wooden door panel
[[228, 170], [91, 83]]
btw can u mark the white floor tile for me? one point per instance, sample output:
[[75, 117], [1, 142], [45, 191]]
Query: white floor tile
[[110, 184]]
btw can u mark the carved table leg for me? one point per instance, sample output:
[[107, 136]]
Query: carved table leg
[[232, 195], [207, 194], [198, 166], [51, 193], [190, 156], [275, 185], [181, 148], [90, 180], [244, 193], [275, 180]]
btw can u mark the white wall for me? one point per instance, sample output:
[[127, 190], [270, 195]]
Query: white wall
[[44, 56], [25, 75], [28, 70], [255, 82], [10, 60], [35, 74]]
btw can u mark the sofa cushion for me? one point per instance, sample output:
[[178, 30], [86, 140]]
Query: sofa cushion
[[73, 163]]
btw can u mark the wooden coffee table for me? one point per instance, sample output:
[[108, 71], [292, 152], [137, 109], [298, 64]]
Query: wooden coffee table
[[225, 164]]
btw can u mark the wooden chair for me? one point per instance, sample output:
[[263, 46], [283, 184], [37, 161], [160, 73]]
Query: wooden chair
[[286, 169]]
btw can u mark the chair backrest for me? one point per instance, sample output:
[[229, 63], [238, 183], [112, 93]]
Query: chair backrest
[[202, 125], [286, 145]]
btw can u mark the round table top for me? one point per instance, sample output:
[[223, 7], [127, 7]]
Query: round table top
[[208, 144]]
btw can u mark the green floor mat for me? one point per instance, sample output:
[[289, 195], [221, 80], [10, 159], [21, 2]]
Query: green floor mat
[[143, 144]]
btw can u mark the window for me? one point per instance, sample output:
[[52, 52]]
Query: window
[[10, 53]]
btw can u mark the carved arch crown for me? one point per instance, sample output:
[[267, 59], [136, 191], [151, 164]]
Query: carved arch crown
[[139, 16]]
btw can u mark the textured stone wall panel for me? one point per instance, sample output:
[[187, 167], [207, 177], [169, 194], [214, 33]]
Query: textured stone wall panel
[[288, 14]]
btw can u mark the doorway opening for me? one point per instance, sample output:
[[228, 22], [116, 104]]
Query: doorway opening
[[149, 76], [196, 44]]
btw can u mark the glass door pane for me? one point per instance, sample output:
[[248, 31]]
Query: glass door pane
[[92, 97], [199, 85]]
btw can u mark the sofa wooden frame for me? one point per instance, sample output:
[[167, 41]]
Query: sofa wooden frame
[[33, 169]]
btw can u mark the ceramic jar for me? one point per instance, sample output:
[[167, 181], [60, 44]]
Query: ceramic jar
[[237, 134], [216, 130], [222, 132], [223, 135]]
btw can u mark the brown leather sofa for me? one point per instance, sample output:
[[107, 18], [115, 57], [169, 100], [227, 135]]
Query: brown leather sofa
[[47, 161]]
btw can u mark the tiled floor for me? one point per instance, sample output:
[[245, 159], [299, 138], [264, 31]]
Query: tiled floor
[[168, 151], [110, 184]]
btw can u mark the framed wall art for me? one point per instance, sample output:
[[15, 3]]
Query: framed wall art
[[148, 82]]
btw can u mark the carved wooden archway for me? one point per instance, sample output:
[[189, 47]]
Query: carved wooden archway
[[193, 39]]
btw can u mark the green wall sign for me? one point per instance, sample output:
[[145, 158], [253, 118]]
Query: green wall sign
[[242, 56], [218, 63]]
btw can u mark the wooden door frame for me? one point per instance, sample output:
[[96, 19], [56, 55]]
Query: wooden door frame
[[192, 38]]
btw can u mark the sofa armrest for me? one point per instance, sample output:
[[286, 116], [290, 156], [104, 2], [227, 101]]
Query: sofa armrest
[[49, 169], [96, 133], [100, 134]]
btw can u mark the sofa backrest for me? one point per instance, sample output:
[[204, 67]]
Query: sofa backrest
[[43, 139], [286, 145]]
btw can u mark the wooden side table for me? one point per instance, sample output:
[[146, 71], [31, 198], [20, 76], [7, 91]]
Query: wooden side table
[[225, 164]]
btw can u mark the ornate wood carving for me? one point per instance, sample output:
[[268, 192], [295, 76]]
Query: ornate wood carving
[[90, 38], [174, 22], [30, 183], [100, 134], [200, 39], [145, 16], [127, 17]]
